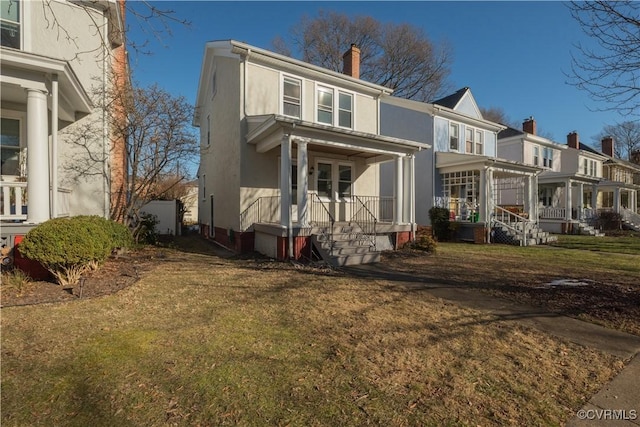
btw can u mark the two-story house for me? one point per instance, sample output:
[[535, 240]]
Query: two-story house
[[486, 195], [290, 158], [568, 181], [46, 95]]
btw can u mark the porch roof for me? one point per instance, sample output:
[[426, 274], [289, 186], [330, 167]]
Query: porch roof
[[266, 132], [557, 177], [447, 161], [24, 69]]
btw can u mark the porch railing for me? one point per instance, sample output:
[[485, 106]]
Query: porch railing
[[365, 219], [381, 207], [13, 201], [262, 210], [553, 213], [321, 217], [519, 225]]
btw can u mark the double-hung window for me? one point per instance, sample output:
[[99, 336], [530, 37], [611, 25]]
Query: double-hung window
[[593, 168], [454, 136], [479, 142], [345, 110], [292, 97], [469, 146], [10, 146], [585, 167], [536, 155], [325, 105], [547, 157], [10, 23]]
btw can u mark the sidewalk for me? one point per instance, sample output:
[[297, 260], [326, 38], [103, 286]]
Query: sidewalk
[[617, 404]]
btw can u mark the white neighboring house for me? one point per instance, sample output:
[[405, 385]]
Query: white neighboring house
[[46, 81], [489, 197], [290, 158]]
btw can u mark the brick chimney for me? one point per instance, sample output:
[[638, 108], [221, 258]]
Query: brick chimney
[[351, 62], [572, 140], [607, 146], [529, 126]]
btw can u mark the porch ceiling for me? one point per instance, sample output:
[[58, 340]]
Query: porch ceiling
[[267, 132], [453, 162]]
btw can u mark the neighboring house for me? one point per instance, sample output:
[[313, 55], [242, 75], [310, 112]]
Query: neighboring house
[[190, 201], [488, 197], [46, 95], [290, 158]]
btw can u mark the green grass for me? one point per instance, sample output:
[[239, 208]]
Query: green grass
[[618, 244], [202, 341]]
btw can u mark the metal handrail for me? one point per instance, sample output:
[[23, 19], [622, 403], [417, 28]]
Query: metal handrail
[[318, 216], [258, 212], [366, 220]]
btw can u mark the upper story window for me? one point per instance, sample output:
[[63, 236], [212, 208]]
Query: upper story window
[[292, 97], [10, 146], [208, 130], [10, 23], [536, 156], [325, 105], [345, 110], [474, 141], [547, 157], [454, 136]]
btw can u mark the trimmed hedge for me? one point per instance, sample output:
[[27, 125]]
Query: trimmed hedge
[[68, 246]]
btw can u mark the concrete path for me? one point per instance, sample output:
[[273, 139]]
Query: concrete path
[[617, 404]]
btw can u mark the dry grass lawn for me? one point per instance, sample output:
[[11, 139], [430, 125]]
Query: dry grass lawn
[[204, 341]]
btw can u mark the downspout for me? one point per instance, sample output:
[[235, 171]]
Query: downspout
[[106, 190], [54, 146]]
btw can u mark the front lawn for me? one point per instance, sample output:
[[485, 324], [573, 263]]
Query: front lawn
[[205, 341], [626, 244]]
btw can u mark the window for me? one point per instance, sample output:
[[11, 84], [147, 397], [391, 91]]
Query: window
[[479, 142], [292, 97], [324, 180], [325, 105], [593, 168], [214, 87], [204, 187], [208, 130], [10, 146], [536, 156], [454, 133], [585, 167], [469, 140], [547, 157], [294, 184], [345, 110], [10, 23], [344, 181]]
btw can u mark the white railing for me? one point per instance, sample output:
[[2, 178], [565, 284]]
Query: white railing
[[553, 213], [631, 216], [13, 203], [514, 222], [588, 213]]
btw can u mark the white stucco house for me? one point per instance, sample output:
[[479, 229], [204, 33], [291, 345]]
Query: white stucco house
[[291, 154], [46, 92], [489, 197], [575, 183]]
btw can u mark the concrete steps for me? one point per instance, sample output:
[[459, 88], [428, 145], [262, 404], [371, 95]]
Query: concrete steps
[[350, 246], [534, 236], [629, 225]]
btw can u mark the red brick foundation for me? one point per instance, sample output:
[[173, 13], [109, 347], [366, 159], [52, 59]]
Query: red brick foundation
[[402, 238]]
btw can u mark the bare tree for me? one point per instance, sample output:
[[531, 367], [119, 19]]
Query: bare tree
[[398, 56], [158, 138], [497, 115], [626, 138], [610, 71]]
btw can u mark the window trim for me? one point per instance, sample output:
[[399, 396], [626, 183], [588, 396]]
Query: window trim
[[335, 105], [351, 115], [456, 126], [536, 155], [20, 24], [335, 178], [282, 95], [22, 119]]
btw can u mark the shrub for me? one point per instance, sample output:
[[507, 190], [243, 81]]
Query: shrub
[[440, 222], [145, 230], [68, 246], [425, 242], [15, 279], [609, 220]]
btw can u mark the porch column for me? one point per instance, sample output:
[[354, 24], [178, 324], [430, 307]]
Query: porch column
[[412, 195], [37, 157], [616, 199], [581, 202], [534, 199], [483, 192], [594, 198], [303, 184], [285, 189], [398, 187], [567, 203], [54, 145], [488, 204]]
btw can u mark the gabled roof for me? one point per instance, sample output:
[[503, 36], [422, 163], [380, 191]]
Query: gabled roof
[[451, 101], [509, 132]]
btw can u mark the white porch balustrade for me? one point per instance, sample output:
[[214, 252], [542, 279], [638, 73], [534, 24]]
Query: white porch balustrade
[[553, 213], [14, 206]]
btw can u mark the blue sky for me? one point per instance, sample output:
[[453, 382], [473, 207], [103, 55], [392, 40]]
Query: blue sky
[[512, 55]]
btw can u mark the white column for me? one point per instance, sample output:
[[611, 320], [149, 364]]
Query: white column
[[489, 203], [303, 184], [398, 191], [594, 198], [412, 195], [54, 146], [285, 189], [37, 157], [581, 202], [616, 199], [567, 204], [534, 199]]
